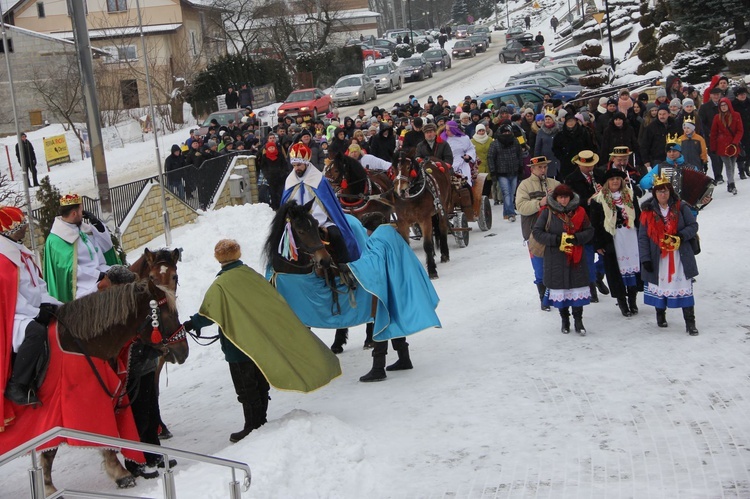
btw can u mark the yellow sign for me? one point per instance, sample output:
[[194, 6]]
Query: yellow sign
[[56, 150], [536, 5], [598, 16]]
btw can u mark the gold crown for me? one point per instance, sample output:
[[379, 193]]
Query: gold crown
[[689, 119], [70, 200], [672, 138], [660, 180]]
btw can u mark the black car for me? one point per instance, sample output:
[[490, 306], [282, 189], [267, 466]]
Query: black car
[[522, 50], [514, 32], [479, 42], [481, 30], [416, 68], [382, 43], [439, 59], [464, 48]]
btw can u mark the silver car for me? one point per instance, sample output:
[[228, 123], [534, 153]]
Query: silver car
[[385, 75], [353, 88]]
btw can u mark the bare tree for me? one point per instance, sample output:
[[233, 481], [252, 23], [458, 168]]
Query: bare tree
[[9, 196], [59, 87]]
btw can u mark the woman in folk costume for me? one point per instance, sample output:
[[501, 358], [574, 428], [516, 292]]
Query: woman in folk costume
[[667, 259], [463, 150], [614, 215], [564, 228]]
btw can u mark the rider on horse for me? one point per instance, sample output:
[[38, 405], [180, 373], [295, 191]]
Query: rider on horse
[[368, 160], [431, 147], [75, 246], [306, 183], [27, 309]]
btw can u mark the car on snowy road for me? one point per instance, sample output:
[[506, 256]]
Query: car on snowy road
[[305, 102], [464, 48], [357, 88], [521, 50], [386, 75], [479, 42], [416, 68], [439, 58]]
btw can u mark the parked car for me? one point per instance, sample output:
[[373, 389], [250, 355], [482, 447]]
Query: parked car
[[515, 32], [439, 58], [563, 93], [521, 50], [479, 42], [569, 70], [568, 58], [382, 45], [353, 88], [385, 75], [464, 48], [305, 102], [416, 68], [545, 81], [515, 95], [481, 30], [543, 73], [222, 117], [462, 31]]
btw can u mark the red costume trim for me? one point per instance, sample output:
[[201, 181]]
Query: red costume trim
[[657, 228], [571, 225], [8, 296]]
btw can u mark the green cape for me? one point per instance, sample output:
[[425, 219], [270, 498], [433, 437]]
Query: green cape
[[258, 321], [60, 267]]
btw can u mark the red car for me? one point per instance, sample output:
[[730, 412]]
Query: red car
[[305, 102], [369, 53]]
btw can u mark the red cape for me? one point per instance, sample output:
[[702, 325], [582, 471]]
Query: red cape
[[8, 296], [73, 398]]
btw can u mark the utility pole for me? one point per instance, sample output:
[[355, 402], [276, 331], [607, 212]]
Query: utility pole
[[609, 32], [93, 122]]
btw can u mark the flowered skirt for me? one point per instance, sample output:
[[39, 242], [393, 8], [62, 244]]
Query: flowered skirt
[[562, 298], [626, 249], [676, 292]]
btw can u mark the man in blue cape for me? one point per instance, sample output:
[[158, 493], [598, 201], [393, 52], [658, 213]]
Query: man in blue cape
[[305, 183]]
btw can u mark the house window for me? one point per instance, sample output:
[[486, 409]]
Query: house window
[[194, 45], [129, 92], [35, 117], [40, 10], [121, 53], [117, 5], [10, 46]]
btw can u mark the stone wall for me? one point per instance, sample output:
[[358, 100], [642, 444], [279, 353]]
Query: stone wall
[[146, 222], [225, 199]]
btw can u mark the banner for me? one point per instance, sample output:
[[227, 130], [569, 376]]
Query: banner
[[56, 150], [263, 95]]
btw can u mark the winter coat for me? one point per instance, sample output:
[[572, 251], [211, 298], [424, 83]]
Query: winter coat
[[722, 134], [439, 150], [654, 142], [558, 273], [543, 147], [649, 251], [528, 200], [530, 131], [707, 92], [482, 151], [601, 124], [743, 108], [383, 146], [337, 145], [505, 159], [567, 144], [412, 139], [29, 152], [680, 119], [706, 114], [694, 150], [232, 100], [672, 94], [614, 137], [635, 121]]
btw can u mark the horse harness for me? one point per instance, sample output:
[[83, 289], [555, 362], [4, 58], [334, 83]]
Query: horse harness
[[360, 201], [428, 183]]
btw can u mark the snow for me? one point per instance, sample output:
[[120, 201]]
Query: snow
[[591, 43], [499, 404], [737, 55], [668, 39]]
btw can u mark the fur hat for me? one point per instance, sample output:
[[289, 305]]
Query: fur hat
[[227, 250]]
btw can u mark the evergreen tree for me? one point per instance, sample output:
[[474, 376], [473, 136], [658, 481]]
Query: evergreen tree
[[460, 11], [708, 20], [49, 198]]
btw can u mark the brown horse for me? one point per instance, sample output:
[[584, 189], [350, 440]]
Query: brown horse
[[96, 327], [359, 190], [423, 190]]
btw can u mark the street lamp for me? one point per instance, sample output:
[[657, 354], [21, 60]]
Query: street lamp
[[411, 33], [609, 32]]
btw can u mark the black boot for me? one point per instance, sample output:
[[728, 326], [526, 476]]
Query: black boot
[[369, 343], [340, 340], [623, 304], [594, 295], [404, 362], [27, 366], [541, 289], [689, 314], [661, 317], [731, 188], [377, 373], [565, 316], [603, 289], [578, 321], [252, 389], [742, 171], [633, 300]]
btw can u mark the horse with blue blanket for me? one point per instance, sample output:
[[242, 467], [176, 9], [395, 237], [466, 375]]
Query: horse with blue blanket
[[388, 286]]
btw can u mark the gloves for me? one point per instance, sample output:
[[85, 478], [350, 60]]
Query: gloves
[[46, 312], [647, 266], [189, 326], [93, 220]]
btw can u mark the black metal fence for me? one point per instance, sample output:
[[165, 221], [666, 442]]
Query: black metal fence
[[89, 204], [198, 187], [124, 197]]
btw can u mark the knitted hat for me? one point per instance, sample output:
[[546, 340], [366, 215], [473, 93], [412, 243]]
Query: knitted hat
[[675, 103], [480, 127], [664, 107], [227, 250], [429, 127], [661, 92], [690, 102], [355, 148]]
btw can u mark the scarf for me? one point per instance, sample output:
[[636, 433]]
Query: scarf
[[678, 161], [572, 223], [481, 139], [622, 199], [271, 151], [658, 226]]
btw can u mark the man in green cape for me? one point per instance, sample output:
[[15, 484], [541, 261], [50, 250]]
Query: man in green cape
[[76, 254], [262, 339]]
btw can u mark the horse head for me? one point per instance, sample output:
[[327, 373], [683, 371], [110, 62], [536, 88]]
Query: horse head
[[406, 171], [171, 339], [295, 236], [335, 171], [160, 266]]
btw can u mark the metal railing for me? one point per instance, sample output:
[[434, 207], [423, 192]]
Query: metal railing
[[124, 197], [36, 478]]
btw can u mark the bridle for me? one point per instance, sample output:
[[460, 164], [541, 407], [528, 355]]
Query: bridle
[[153, 319]]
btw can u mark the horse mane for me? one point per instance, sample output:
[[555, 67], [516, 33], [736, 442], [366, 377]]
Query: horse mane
[[90, 316], [289, 210]]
